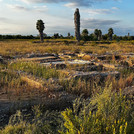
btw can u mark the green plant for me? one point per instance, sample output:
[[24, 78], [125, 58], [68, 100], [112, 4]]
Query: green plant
[[77, 86], [41, 124], [35, 69], [105, 113], [110, 33]]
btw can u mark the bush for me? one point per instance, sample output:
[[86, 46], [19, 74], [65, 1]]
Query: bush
[[105, 113], [41, 124]]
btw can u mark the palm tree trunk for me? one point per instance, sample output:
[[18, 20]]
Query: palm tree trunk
[[41, 37], [111, 38], [77, 24]]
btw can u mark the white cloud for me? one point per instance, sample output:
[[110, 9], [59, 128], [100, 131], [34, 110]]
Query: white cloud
[[18, 7], [23, 8], [70, 3], [99, 11], [41, 9], [98, 23], [4, 20], [115, 8], [22, 17]]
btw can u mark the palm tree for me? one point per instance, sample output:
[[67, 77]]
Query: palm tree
[[100, 35], [85, 34], [77, 24], [96, 33], [68, 35], [110, 33], [40, 27]]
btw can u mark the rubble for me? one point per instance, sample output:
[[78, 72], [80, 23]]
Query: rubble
[[1, 59], [90, 75]]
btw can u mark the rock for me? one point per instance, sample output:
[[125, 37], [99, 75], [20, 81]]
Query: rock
[[106, 57], [60, 66], [80, 62], [51, 80], [33, 55], [105, 65], [85, 75], [36, 42], [81, 55], [90, 68], [115, 74], [120, 57], [70, 54], [1, 60], [128, 54], [86, 57], [4, 59], [7, 57], [65, 56], [112, 57], [127, 63], [129, 91], [110, 66], [90, 75], [42, 59], [17, 56]]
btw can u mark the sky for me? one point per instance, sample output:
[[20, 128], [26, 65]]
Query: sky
[[20, 16]]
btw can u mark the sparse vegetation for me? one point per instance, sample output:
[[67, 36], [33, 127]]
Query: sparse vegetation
[[20, 48], [106, 112], [23, 80], [87, 116], [35, 69], [80, 83]]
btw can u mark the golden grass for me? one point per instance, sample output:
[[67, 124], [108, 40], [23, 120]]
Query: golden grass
[[23, 47], [32, 83], [122, 83], [87, 57]]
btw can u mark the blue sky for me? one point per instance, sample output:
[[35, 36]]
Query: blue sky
[[20, 16]]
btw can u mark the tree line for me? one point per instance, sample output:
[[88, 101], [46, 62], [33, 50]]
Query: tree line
[[84, 35], [98, 36]]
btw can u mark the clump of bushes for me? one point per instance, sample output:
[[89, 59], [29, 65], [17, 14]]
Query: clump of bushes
[[39, 124], [107, 112]]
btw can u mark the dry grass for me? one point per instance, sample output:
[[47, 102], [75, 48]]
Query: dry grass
[[32, 83], [122, 83], [87, 57], [23, 47], [25, 84], [14, 87]]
